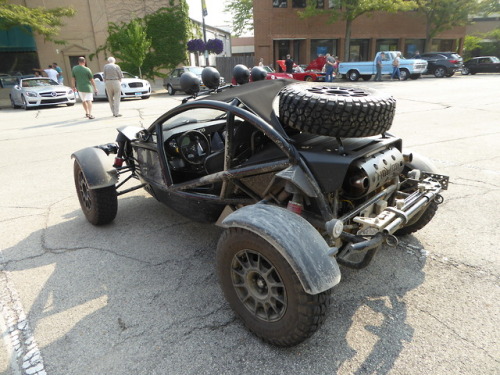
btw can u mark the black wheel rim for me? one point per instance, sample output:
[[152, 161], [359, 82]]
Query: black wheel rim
[[338, 91], [258, 285], [83, 188]]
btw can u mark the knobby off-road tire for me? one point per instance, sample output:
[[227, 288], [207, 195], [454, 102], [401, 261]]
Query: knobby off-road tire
[[336, 111], [264, 291], [98, 205]]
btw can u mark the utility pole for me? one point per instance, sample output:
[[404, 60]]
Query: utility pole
[[204, 12]]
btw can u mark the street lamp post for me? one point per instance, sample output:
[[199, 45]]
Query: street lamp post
[[204, 13]]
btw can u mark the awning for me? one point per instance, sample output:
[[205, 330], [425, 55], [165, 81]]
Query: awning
[[17, 39]]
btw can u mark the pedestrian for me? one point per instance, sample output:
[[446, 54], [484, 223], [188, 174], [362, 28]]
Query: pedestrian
[[50, 72], [113, 76], [83, 82], [289, 64], [378, 64], [261, 61], [417, 55], [395, 67], [329, 67], [60, 78]]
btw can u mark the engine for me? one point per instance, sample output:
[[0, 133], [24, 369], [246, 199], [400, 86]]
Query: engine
[[371, 172]]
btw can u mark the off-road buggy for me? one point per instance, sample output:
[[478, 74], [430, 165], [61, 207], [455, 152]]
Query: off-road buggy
[[302, 176]]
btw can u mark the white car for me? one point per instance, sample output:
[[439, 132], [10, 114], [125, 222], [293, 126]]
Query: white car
[[132, 87], [40, 91]]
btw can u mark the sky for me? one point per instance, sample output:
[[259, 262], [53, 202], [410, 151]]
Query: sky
[[215, 15]]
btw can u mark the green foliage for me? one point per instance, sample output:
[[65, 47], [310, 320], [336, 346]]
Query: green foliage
[[153, 43], [349, 10], [242, 12], [484, 44], [442, 15], [43, 21]]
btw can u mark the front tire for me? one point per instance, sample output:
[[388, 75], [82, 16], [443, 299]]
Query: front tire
[[465, 71], [264, 291], [98, 205]]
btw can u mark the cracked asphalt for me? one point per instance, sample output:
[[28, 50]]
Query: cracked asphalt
[[140, 296]]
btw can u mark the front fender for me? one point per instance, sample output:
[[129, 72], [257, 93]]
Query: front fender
[[97, 167], [295, 239]]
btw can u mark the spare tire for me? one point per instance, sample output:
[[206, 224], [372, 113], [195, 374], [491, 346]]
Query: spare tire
[[336, 111]]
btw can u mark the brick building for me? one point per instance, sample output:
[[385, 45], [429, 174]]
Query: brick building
[[278, 30]]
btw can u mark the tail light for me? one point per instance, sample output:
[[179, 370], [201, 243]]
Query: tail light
[[454, 61]]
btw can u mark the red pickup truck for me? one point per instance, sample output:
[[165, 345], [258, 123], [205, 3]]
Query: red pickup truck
[[311, 73]]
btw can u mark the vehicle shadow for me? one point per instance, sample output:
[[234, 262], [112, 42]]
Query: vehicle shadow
[[140, 296]]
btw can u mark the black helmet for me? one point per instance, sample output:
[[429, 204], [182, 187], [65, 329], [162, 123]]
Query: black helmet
[[210, 77], [190, 83], [241, 74], [258, 73]]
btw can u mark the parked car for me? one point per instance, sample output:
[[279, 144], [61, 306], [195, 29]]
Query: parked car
[[131, 87], [482, 64], [297, 191], [442, 64], [260, 72], [40, 91], [303, 74], [409, 68], [172, 83]]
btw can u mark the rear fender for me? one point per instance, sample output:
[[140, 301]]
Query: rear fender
[[97, 167], [295, 239]]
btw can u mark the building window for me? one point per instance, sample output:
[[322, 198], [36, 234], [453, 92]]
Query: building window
[[412, 46], [358, 50], [280, 3], [299, 3], [320, 4], [320, 47], [387, 45], [442, 45]]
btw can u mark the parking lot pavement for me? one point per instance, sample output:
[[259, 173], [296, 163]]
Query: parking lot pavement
[[140, 296]]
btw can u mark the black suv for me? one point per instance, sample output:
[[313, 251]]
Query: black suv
[[442, 64]]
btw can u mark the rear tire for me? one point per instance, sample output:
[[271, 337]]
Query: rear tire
[[440, 72], [170, 90], [98, 205], [353, 75], [404, 74], [264, 291]]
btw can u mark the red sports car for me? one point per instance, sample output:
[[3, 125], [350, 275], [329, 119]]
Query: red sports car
[[311, 73]]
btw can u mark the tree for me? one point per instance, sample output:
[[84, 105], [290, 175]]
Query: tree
[[43, 21], [442, 15], [242, 12], [129, 43], [349, 10], [153, 43]]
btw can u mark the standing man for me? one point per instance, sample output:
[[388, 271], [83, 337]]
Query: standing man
[[50, 72], [395, 68], [329, 67], [83, 82], [113, 77], [378, 63], [289, 64], [60, 78]]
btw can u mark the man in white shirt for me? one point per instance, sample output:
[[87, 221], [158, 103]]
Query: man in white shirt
[[50, 72], [113, 77]]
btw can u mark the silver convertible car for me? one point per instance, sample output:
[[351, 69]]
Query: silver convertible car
[[40, 91], [132, 87]]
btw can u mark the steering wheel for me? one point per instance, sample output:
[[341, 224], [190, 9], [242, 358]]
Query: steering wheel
[[194, 147]]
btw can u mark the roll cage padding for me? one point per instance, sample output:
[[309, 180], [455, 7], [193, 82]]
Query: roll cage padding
[[297, 241], [96, 167]]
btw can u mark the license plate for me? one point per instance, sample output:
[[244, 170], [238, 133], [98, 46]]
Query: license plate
[[138, 93]]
